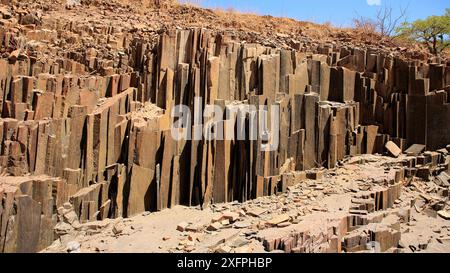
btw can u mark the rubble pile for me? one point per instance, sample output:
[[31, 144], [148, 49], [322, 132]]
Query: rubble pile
[[335, 213], [86, 114]]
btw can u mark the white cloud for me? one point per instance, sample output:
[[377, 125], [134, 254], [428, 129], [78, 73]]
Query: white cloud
[[374, 2]]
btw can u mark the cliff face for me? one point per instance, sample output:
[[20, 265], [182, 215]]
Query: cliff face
[[87, 96]]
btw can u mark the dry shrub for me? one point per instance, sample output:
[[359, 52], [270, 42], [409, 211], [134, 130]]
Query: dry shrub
[[383, 26], [366, 28]]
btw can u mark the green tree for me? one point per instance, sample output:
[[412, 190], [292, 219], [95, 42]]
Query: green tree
[[434, 32]]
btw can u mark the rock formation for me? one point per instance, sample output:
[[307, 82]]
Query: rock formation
[[94, 130]]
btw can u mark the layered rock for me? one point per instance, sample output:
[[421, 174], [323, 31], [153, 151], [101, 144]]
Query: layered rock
[[82, 119]]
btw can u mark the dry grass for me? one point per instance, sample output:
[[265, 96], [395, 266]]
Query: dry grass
[[366, 29]]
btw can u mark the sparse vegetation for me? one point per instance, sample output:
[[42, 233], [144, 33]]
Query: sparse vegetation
[[365, 25], [384, 24], [433, 32]]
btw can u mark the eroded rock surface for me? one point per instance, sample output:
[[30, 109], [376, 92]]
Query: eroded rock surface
[[86, 94]]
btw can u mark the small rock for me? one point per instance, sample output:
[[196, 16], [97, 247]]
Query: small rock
[[73, 246], [67, 205], [13, 56], [5, 13], [238, 242], [166, 238], [62, 228], [223, 249], [241, 225], [214, 226], [182, 226], [118, 228], [393, 149], [244, 249], [70, 217], [278, 219], [423, 244], [76, 225], [250, 232], [261, 225], [95, 225], [256, 212], [61, 210], [231, 216], [194, 228], [444, 214], [282, 225], [217, 218]]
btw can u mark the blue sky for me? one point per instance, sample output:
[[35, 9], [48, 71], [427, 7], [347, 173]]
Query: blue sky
[[338, 12]]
